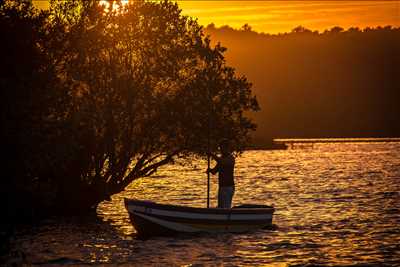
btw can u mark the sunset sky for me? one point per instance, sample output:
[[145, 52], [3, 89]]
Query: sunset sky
[[283, 16]]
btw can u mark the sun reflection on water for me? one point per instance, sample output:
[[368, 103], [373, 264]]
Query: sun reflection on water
[[331, 200], [336, 204]]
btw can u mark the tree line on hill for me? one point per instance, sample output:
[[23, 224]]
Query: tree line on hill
[[338, 83]]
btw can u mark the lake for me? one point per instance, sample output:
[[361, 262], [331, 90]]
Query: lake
[[337, 204]]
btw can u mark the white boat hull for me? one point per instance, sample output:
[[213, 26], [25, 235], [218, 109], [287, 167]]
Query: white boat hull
[[150, 218]]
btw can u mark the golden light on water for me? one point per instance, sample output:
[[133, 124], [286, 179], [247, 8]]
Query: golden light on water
[[331, 203], [336, 203]]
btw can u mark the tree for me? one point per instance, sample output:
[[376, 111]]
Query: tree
[[33, 110], [301, 29], [143, 76], [130, 89], [246, 28]]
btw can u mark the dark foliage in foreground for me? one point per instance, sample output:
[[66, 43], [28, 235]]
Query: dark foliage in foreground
[[94, 99]]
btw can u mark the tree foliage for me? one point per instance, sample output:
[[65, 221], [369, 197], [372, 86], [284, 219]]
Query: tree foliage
[[113, 95], [335, 83]]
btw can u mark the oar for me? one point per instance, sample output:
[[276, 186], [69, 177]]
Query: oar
[[208, 146], [208, 179], [208, 161]]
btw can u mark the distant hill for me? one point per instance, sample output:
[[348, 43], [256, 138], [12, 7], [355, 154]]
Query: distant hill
[[309, 84]]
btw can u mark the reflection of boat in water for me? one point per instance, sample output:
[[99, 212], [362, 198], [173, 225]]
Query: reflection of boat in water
[[150, 218]]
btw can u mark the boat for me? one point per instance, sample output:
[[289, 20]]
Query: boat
[[152, 219]]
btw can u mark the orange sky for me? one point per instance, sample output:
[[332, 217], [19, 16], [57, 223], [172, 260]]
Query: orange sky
[[283, 16]]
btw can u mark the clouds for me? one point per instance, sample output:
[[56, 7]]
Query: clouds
[[274, 16], [283, 16]]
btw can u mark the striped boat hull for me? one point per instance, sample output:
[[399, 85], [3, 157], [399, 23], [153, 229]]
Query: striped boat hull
[[150, 218]]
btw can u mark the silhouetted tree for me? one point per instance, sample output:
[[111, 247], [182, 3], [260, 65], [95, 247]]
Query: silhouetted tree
[[301, 29], [97, 98], [246, 27], [32, 113]]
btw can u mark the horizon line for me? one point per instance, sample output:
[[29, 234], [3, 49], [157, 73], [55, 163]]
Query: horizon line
[[241, 28]]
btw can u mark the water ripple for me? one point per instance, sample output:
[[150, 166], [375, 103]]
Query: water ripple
[[337, 205]]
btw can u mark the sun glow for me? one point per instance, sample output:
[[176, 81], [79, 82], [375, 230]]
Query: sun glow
[[281, 16], [112, 5]]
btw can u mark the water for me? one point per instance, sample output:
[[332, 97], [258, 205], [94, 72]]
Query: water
[[336, 204]]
